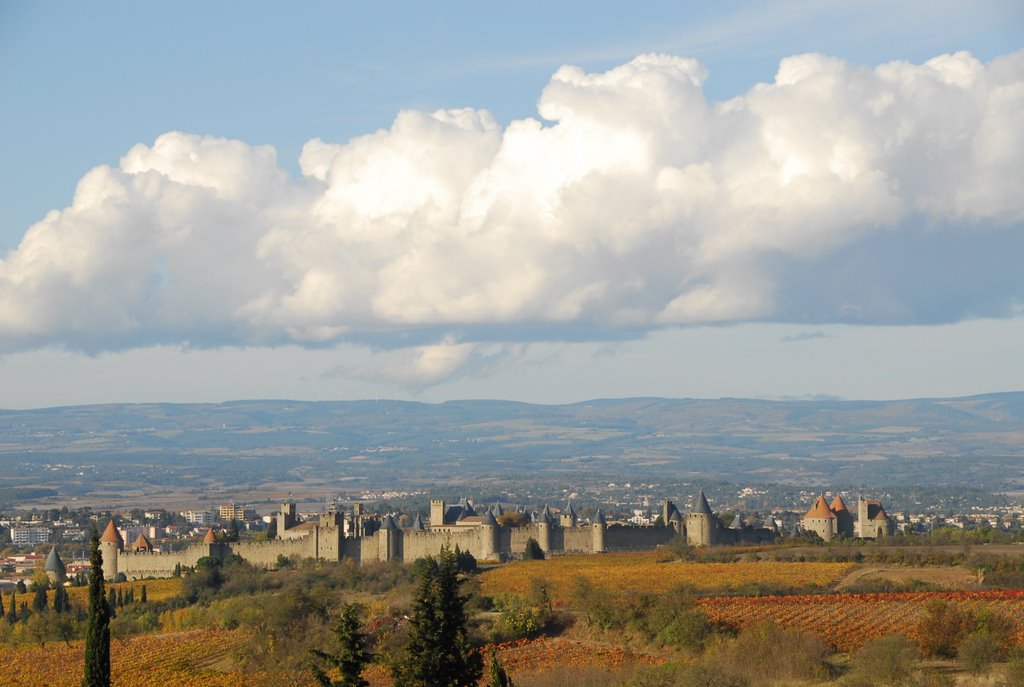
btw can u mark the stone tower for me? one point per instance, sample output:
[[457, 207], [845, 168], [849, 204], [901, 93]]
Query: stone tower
[[55, 570], [820, 519], [436, 513], [699, 526], [598, 528], [543, 524], [111, 545], [844, 518], [285, 518], [568, 518], [389, 540], [489, 544]]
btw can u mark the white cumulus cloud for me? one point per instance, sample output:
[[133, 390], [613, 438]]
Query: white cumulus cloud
[[836, 193]]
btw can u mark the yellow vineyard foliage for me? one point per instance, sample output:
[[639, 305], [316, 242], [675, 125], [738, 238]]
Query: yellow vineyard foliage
[[156, 590], [654, 572], [186, 659]]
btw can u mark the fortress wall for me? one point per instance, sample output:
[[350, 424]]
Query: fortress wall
[[351, 549], [620, 538], [518, 537], [419, 544], [556, 539], [577, 539], [143, 564], [330, 544], [367, 549], [265, 553]]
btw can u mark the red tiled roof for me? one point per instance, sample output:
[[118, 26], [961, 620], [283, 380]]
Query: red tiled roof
[[210, 537], [111, 535], [141, 542], [838, 505], [820, 509]]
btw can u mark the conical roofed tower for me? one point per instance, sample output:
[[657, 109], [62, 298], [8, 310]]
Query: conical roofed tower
[[820, 519], [844, 518], [54, 567]]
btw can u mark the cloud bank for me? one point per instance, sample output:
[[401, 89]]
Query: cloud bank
[[838, 193]]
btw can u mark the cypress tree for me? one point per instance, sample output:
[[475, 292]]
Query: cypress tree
[[39, 599], [352, 656], [3, 613], [142, 599], [97, 636], [439, 653], [129, 598], [61, 600], [112, 602], [120, 597], [12, 614], [499, 678]]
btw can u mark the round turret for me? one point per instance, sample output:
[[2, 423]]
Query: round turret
[[111, 544], [543, 525], [598, 528], [489, 545]]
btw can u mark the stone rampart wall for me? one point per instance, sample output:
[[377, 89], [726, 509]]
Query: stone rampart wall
[[627, 538]]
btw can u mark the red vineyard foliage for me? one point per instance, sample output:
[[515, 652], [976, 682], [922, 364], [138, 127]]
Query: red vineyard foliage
[[847, 621]]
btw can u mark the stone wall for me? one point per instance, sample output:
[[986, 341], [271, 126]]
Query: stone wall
[[627, 538], [578, 540]]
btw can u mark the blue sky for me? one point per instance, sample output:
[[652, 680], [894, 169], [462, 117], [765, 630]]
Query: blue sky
[[870, 289]]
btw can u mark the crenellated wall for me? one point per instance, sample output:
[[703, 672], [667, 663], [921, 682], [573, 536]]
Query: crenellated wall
[[628, 538]]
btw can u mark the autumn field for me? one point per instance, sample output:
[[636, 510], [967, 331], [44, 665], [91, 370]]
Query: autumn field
[[180, 659], [156, 590], [201, 658], [847, 621], [655, 572]]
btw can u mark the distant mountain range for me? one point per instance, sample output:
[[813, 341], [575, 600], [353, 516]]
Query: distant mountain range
[[975, 441]]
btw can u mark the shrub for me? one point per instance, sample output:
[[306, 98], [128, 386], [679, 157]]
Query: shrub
[[942, 629], [766, 652], [888, 660], [978, 651]]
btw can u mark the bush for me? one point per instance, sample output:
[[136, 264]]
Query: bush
[[533, 551], [888, 660], [978, 651], [942, 629], [766, 652]]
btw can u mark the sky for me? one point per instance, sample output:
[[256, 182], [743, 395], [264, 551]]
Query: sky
[[546, 202]]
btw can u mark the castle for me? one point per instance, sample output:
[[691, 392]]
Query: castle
[[835, 519], [489, 534]]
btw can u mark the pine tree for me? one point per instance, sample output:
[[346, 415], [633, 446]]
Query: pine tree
[[97, 636], [142, 598], [499, 678], [39, 600], [439, 653], [352, 656]]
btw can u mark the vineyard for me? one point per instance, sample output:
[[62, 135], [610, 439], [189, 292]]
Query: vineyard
[[847, 621], [181, 659], [655, 572], [156, 590], [201, 659]]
